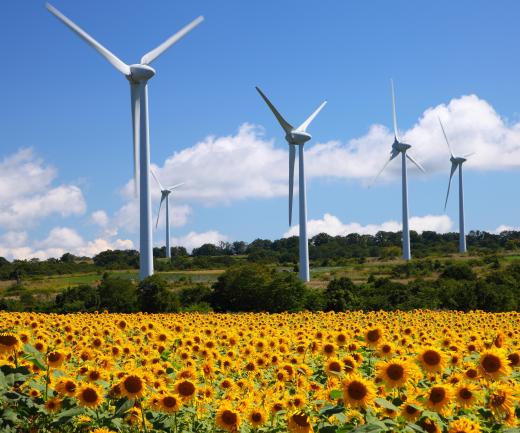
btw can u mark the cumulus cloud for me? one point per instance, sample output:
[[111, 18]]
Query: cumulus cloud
[[99, 218], [505, 228], [195, 240], [60, 240], [248, 165], [333, 226], [27, 194]]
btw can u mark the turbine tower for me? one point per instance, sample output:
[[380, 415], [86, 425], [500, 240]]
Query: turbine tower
[[297, 137], [399, 147], [165, 192], [456, 162], [138, 76]]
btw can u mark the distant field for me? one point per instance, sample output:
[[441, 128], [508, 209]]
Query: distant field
[[320, 276]]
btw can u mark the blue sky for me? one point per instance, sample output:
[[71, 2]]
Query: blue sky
[[71, 108]]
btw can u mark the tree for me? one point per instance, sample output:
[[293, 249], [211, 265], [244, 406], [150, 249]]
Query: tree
[[154, 296], [339, 294], [117, 294], [459, 272]]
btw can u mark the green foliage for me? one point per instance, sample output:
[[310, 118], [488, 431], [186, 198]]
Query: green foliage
[[154, 296], [117, 294], [339, 294]]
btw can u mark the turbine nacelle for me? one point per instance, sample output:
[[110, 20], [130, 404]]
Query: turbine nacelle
[[297, 137], [400, 147], [458, 160], [140, 73]]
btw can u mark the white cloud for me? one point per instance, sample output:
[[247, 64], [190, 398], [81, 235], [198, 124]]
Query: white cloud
[[505, 228], [27, 194], [195, 240], [60, 240], [99, 218], [333, 226]]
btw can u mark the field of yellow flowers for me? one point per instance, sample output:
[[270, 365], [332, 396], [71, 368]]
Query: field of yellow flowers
[[419, 371]]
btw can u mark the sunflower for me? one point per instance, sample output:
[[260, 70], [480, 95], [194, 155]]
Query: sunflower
[[493, 363], [514, 359], [257, 417], [432, 360], [395, 372], [94, 374], [501, 401], [463, 425], [132, 386], [89, 395], [102, 430], [466, 395], [168, 403], [334, 366], [227, 418], [185, 388], [53, 405], [56, 358], [357, 392], [9, 342], [438, 398], [411, 411], [299, 422], [373, 336], [66, 386]]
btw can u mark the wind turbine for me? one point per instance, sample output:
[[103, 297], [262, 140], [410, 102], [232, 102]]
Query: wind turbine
[[399, 147], [138, 76], [165, 192], [456, 162], [297, 137]]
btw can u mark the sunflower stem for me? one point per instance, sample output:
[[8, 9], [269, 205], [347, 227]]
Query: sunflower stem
[[143, 417]]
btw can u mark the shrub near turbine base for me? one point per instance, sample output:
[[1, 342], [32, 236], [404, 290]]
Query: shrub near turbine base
[[270, 372]]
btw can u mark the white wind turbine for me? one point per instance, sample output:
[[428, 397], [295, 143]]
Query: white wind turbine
[[401, 148], [138, 76], [297, 137], [456, 162], [165, 193]]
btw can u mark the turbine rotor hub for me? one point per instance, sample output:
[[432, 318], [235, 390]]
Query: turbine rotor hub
[[140, 73], [297, 137]]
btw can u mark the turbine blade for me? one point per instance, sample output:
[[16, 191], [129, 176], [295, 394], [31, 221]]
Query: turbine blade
[[419, 166], [159, 211], [136, 112], [283, 123], [469, 154], [112, 59], [392, 156], [393, 110], [445, 137], [156, 52], [171, 188], [453, 168], [303, 127], [156, 179], [292, 156]]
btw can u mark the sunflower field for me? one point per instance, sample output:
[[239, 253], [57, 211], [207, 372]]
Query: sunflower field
[[417, 371]]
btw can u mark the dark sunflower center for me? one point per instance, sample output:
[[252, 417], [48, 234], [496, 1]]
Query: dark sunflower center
[[90, 395], [229, 418], [186, 389], [357, 390], [410, 410], [373, 335], [54, 357], [437, 395], [491, 363], [70, 386], [8, 340], [169, 401], [256, 417], [395, 371], [498, 400], [514, 359], [471, 373], [465, 394], [133, 384], [431, 357], [335, 366], [301, 419]]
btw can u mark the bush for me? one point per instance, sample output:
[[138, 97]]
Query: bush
[[459, 272], [253, 287], [117, 294], [197, 294], [79, 298], [339, 294], [154, 296]]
